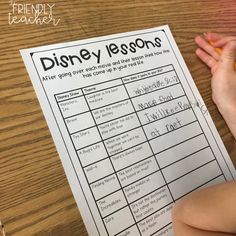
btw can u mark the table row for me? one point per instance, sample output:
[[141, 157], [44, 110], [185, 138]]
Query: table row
[[80, 105], [179, 186]]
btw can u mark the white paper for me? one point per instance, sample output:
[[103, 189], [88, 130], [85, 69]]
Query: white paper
[[132, 131]]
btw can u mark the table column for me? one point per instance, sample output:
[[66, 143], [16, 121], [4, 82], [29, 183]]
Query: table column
[[118, 127], [88, 145]]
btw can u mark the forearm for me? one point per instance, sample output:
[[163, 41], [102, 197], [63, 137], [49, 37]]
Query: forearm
[[207, 212], [232, 128], [230, 118]]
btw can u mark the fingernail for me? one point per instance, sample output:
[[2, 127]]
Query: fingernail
[[205, 35]]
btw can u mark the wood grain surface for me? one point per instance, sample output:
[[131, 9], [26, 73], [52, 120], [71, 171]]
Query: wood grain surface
[[35, 198]]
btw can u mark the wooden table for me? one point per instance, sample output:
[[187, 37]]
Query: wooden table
[[35, 198]]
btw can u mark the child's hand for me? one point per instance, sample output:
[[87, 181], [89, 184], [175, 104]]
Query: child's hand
[[222, 67]]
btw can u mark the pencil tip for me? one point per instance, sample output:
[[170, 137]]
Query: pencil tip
[[2, 231]]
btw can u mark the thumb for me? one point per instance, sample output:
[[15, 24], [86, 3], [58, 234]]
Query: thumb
[[228, 56]]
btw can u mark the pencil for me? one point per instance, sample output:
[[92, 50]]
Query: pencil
[[219, 51]]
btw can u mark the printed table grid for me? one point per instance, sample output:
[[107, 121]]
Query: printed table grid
[[104, 141]]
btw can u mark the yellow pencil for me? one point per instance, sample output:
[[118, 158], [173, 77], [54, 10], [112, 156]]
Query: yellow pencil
[[2, 232], [219, 50]]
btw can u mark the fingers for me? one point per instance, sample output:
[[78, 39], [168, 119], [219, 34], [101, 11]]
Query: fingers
[[210, 50], [229, 55], [223, 41], [204, 45], [213, 36], [206, 58]]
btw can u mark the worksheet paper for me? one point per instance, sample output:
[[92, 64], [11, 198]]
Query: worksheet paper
[[131, 128]]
